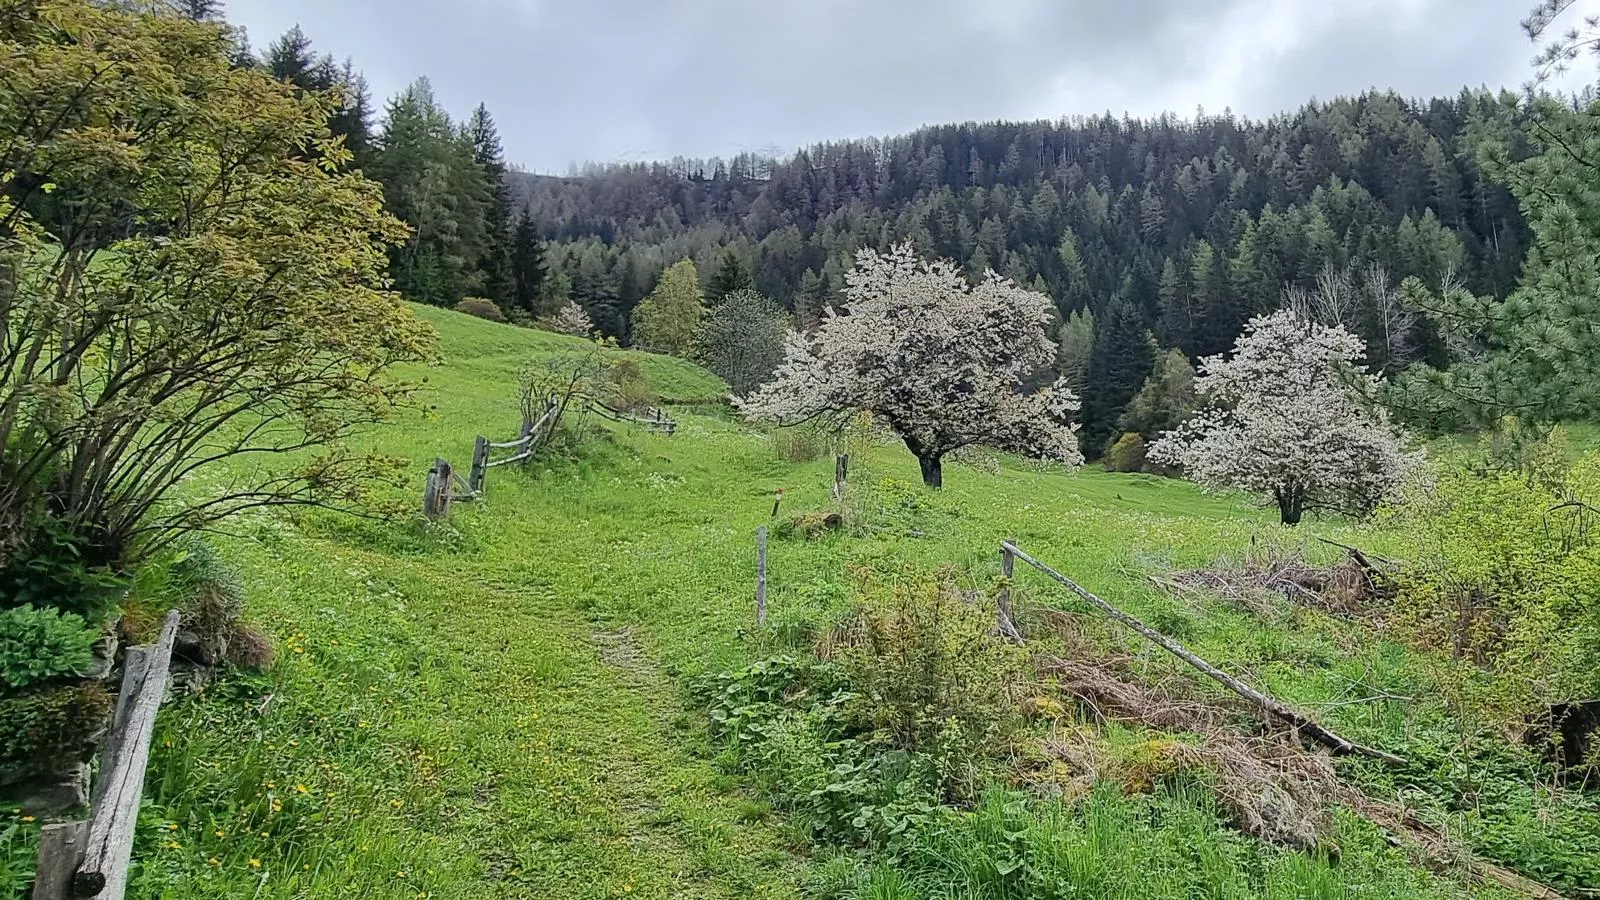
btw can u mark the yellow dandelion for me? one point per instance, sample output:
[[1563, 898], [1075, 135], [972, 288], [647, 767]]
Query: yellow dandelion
[[174, 845], [220, 833], [300, 789], [255, 863], [172, 826], [214, 862], [27, 818], [397, 803]]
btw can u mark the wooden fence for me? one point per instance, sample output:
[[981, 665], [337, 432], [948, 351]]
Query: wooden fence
[[89, 859], [444, 486], [651, 417]]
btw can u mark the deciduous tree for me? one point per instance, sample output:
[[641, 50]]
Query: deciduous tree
[[666, 321], [214, 295], [945, 363], [1288, 416], [741, 339]]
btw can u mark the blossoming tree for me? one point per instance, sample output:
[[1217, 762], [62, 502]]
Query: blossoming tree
[[1286, 416], [943, 362]]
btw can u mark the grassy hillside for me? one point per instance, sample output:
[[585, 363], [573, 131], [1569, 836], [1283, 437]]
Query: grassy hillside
[[494, 707]]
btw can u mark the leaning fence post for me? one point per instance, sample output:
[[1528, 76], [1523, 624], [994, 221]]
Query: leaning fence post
[[761, 576], [103, 871], [480, 462], [1004, 625]]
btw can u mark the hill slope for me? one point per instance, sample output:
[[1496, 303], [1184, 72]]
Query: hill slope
[[492, 708]]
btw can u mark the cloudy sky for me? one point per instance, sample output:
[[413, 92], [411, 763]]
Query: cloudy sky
[[615, 80]]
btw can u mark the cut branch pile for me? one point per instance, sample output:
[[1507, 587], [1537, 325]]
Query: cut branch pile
[[1350, 588]]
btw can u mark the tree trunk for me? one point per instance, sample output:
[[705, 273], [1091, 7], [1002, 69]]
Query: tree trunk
[[1291, 506], [932, 470]]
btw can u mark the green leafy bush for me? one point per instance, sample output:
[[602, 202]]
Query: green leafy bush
[[483, 309], [54, 566], [1504, 575], [40, 644], [42, 728], [1127, 454], [931, 675]]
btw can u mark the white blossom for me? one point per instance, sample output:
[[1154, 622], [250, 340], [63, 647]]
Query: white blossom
[[1287, 416], [944, 363], [571, 319]]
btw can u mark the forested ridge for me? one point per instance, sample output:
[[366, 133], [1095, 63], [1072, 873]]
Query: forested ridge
[[1184, 228]]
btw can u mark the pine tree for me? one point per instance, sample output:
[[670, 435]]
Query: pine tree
[[199, 10], [528, 269], [495, 266], [732, 275]]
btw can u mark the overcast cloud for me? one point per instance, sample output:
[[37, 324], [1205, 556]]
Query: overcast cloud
[[615, 80]]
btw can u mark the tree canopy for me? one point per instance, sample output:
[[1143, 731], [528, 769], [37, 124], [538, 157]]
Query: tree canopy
[[944, 362], [191, 273]]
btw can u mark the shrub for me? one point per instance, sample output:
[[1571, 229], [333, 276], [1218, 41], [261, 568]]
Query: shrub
[[1504, 575], [1127, 454], [932, 676], [799, 444], [483, 309], [40, 644], [41, 729], [54, 567]]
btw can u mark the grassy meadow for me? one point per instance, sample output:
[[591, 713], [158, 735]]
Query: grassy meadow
[[496, 707]]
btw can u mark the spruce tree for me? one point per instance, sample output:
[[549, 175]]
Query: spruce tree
[[290, 59], [432, 181], [732, 275], [1123, 357], [530, 275], [495, 266], [353, 121], [200, 10]]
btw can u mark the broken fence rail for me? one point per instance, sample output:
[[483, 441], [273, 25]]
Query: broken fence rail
[[1301, 722]]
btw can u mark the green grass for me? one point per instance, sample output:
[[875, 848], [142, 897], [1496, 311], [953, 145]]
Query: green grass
[[493, 707]]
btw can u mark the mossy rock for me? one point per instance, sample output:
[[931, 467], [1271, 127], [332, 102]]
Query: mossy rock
[[47, 730]]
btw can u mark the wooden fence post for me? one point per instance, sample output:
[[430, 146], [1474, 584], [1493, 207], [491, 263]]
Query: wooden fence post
[[480, 460], [103, 872], [60, 852], [841, 474], [436, 501], [761, 576], [1004, 624]]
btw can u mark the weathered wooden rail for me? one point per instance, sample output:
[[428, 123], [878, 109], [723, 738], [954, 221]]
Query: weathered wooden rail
[[89, 859], [445, 486], [652, 417]]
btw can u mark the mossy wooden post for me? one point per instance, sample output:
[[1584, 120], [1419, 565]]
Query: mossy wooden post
[[480, 461], [761, 577], [1004, 624], [436, 497]]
